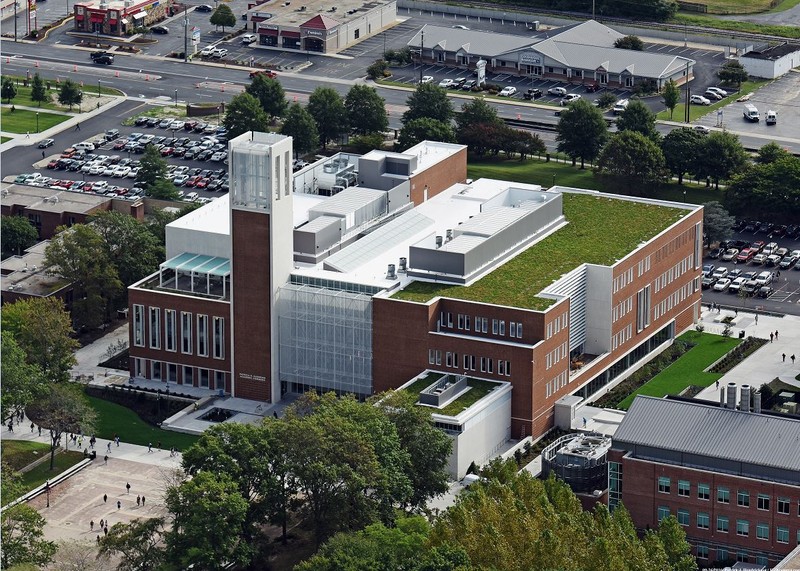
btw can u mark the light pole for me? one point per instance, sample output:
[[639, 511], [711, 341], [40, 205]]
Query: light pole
[[16, 3], [185, 35], [176, 102], [47, 491], [98, 88], [37, 121]]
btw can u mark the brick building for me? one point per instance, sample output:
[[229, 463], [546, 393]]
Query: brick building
[[358, 273], [731, 477], [118, 17]]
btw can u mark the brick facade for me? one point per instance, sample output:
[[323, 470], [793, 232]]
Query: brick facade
[[448, 172]]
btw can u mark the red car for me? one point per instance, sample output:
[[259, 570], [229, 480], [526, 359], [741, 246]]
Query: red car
[[52, 164], [264, 72], [192, 181], [202, 183], [87, 187], [758, 246], [166, 151], [120, 144], [68, 153]]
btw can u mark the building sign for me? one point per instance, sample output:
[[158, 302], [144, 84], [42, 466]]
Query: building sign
[[530, 59], [313, 32], [268, 27], [249, 377], [481, 68], [195, 35]]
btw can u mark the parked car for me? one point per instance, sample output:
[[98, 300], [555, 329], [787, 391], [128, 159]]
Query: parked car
[[45, 143], [426, 79], [736, 284], [702, 129], [508, 91], [592, 87], [569, 98], [248, 39], [707, 282], [558, 91], [712, 95], [708, 269], [722, 284], [720, 272], [204, 8], [764, 278], [730, 255], [219, 53], [759, 259], [699, 100], [207, 51], [765, 291], [532, 93], [446, 82], [159, 29], [718, 91], [468, 85]]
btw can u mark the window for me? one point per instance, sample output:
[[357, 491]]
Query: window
[[743, 499], [762, 531], [742, 557], [156, 366], [702, 552], [203, 378], [663, 511], [202, 335], [431, 356], [663, 485], [138, 325], [188, 377], [723, 495], [448, 359], [438, 357], [684, 488], [722, 554], [642, 308], [703, 491], [782, 534], [762, 560], [494, 327], [783, 506], [155, 328], [614, 484], [683, 517], [485, 325], [512, 329], [763, 502], [519, 330], [219, 380], [742, 527], [170, 330], [502, 328], [702, 520], [186, 332], [219, 337], [722, 524]]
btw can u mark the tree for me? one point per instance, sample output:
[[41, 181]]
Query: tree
[[630, 43], [673, 538], [671, 97], [606, 100], [769, 191], [365, 143], [631, 160], [223, 16], [366, 110], [22, 382], [42, 329], [79, 255], [770, 153], [163, 189], [422, 129], [638, 117], [191, 541], [476, 112], [300, 125], [78, 556], [23, 538], [430, 101], [70, 94], [378, 69], [9, 90], [137, 544], [681, 148], [270, 95], [327, 108], [243, 114], [18, 234], [38, 91], [528, 144], [717, 222], [721, 156], [132, 249], [63, 409], [581, 131], [157, 222], [732, 72], [152, 167]]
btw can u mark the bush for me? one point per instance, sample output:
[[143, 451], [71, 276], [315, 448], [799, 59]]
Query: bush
[[645, 87], [377, 69], [606, 100], [365, 143], [630, 43]]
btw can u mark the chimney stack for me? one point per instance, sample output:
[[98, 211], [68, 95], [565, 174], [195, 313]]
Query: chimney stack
[[731, 399], [757, 402], [744, 401]]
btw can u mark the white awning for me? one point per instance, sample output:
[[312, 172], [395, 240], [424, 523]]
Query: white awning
[[124, 21], [139, 15]]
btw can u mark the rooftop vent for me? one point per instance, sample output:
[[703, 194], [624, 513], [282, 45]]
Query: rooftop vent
[[403, 267], [757, 402], [449, 234], [439, 241], [731, 399], [744, 401], [390, 273]]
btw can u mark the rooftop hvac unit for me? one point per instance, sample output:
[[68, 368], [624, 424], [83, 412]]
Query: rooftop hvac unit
[[402, 268], [449, 234], [336, 189], [439, 241], [744, 401], [390, 273]]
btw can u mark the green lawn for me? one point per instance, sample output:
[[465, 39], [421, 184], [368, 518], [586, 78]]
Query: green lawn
[[42, 473], [535, 171], [24, 93], [19, 453], [734, 6], [600, 231], [4, 139], [22, 121], [697, 111], [688, 370], [693, 19], [116, 419], [478, 389]]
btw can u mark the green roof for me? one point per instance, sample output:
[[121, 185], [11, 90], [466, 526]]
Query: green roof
[[478, 389], [601, 230]]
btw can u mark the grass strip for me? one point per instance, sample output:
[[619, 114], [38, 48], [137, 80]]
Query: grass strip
[[23, 121], [19, 453]]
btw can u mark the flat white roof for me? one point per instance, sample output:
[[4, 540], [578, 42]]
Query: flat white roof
[[214, 218], [429, 153]]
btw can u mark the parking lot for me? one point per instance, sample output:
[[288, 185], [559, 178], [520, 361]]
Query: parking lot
[[103, 170], [784, 284]]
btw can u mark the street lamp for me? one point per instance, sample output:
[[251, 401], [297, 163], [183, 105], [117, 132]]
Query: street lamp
[[176, 100], [47, 491], [98, 88], [37, 121]]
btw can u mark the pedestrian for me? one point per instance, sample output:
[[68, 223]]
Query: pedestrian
[[149, 447], [771, 337], [105, 460], [116, 439], [756, 319], [101, 524], [128, 487], [142, 501], [27, 134], [98, 539], [92, 440], [32, 427], [784, 357], [77, 126], [717, 384], [584, 422], [109, 448], [792, 358], [736, 312], [11, 425], [105, 498], [138, 500], [172, 451], [776, 334], [42, 154], [91, 525], [778, 274], [105, 530], [119, 505]]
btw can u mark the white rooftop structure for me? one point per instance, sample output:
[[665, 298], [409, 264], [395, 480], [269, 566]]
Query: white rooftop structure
[[206, 230]]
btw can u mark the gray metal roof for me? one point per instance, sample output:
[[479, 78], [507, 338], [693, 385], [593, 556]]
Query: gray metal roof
[[486, 44], [349, 200], [320, 223], [588, 33], [491, 222], [462, 244], [712, 431]]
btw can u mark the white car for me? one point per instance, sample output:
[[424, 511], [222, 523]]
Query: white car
[[730, 254], [99, 185], [509, 91], [722, 284], [736, 285], [720, 272], [218, 156], [712, 95], [759, 259], [219, 52], [699, 100], [134, 173], [109, 170], [87, 167], [446, 82], [764, 278], [97, 169], [180, 180], [460, 27], [718, 91], [176, 124], [207, 51], [560, 91], [569, 98], [145, 139], [249, 38], [702, 129], [426, 79], [121, 171]]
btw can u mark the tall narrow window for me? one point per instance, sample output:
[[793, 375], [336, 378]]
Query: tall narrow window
[[186, 332], [170, 330], [155, 328], [202, 335], [219, 337], [138, 325]]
